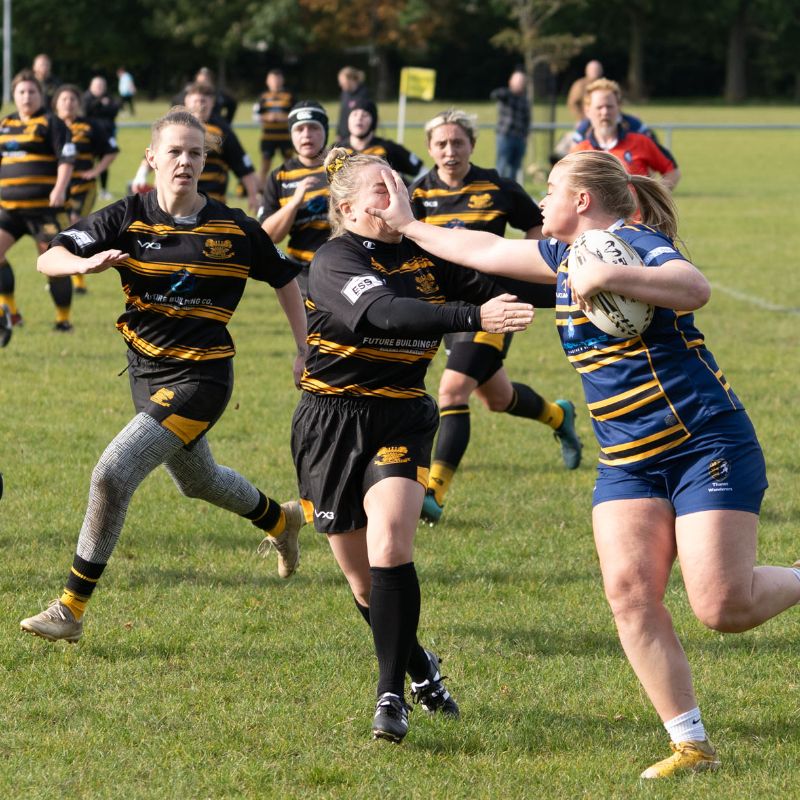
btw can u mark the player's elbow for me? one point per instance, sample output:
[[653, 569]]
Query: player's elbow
[[698, 292]]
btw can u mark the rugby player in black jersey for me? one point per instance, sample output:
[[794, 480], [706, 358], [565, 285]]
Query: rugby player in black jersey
[[183, 260], [296, 193], [95, 150], [36, 158], [272, 112], [457, 194], [362, 432]]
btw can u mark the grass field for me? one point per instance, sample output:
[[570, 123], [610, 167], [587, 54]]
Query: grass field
[[203, 675]]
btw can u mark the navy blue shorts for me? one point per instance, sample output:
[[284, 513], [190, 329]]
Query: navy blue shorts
[[720, 468]]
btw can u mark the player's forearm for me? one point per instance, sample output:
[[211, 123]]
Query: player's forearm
[[57, 262], [670, 179], [279, 224], [291, 302]]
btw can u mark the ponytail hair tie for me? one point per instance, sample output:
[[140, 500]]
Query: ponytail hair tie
[[335, 166]]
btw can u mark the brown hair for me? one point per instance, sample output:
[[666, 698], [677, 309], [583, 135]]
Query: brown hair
[[607, 180], [199, 87], [24, 76], [178, 115], [65, 87], [343, 170]]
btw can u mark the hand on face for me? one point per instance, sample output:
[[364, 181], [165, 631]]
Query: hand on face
[[396, 214]]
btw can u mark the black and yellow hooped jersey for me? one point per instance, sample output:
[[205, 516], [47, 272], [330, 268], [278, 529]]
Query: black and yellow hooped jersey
[[395, 155], [484, 202], [31, 152], [349, 357], [310, 229], [182, 282], [92, 141], [229, 155], [275, 130]]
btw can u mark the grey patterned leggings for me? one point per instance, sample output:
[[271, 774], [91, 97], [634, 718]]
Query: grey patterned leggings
[[133, 454]]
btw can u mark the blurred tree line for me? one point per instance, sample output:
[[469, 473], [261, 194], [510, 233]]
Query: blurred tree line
[[731, 49]]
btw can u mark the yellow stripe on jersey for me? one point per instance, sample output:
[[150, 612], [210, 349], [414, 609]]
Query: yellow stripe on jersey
[[195, 268], [27, 181], [625, 402], [216, 313], [28, 157], [189, 353], [282, 201], [467, 217], [368, 353], [470, 188], [300, 255], [647, 447], [211, 228], [597, 358], [300, 172], [185, 429], [14, 204], [316, 386], [412, 265]]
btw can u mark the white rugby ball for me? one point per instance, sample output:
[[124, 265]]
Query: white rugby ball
[[613, 313]]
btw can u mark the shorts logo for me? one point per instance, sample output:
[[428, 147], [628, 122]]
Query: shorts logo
[[324, 514], [426, 283], [719, 469], [218, 249], [480, 201], [162, 397], [391, 455], [355, 287]]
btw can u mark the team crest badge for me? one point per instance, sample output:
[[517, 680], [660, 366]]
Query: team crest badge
[[426, 283], [719, 469], [218, 249], [391, 455], [478, 201]]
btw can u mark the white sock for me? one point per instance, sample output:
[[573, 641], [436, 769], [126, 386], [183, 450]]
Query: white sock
[[686, 727], [796, 572]]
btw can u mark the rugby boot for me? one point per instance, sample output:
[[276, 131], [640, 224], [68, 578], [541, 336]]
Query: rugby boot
[[689, 756], [391, 718], [56, 622], [432, 694]]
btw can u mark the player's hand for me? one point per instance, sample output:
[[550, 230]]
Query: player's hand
[[306, 185], [100, 262], [298, 367], [503, 314], [57, 198], [585, 279], [397, 215]]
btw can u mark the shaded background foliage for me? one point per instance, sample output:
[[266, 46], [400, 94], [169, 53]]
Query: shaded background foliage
[[731, 49]]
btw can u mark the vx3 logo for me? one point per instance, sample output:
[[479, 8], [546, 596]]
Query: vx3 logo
[[149, 245]]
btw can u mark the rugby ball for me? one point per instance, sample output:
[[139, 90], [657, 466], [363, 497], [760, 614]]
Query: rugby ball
[[613, 313]]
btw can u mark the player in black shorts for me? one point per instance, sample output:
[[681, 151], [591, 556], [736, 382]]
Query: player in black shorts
[[296, 193], [457, 194], [362, 432], [361, 124], [95, 150], [225, 153], [35, 170], [183, 261], [272, 111]]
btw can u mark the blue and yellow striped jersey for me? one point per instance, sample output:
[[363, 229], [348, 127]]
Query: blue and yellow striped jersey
[[650, 393]]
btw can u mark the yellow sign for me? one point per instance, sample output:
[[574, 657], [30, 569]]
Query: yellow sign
[[418, 82]]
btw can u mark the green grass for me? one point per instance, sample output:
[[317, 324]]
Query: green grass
[[203, 675]]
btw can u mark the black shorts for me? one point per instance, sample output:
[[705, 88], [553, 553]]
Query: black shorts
[[344, 445], [82, 203], [478, 355], [42, 224], [271, 146], [185, 399]]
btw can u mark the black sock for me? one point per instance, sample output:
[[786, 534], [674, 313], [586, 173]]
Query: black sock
[[394, 616], [418, 662], [7, 282], [453, 438], [61, 291], [266, 514], [525, 403]]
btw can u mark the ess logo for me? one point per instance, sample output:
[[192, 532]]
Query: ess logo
[[391, 455], [162, 397], [149, 245], [355, 287], [218, 249]]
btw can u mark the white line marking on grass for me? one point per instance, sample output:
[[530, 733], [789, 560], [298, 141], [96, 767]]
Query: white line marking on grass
[[752, 300]]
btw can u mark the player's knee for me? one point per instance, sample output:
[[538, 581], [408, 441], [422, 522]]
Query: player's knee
[[109, 480], [496, 402], [726, 612]]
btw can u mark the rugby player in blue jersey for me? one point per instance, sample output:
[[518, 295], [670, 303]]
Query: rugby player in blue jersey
[[681, 472]]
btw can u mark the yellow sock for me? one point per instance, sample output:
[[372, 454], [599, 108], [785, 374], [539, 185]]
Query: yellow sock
[[8, 300], [552, 415], [79, 281], [77, 605], [308, 510], [440, 479], [62, 313], [280, 526]]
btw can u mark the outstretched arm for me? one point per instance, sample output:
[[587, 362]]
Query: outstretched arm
[[292, 304], [485, 252], [58, 261]]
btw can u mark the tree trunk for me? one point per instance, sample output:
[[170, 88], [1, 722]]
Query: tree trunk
[[636, 87], [735, 65]]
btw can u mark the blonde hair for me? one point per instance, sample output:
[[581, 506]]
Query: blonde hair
[[180, 115], [601, 85], [607, 180], [343, 171], [453, 116]]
